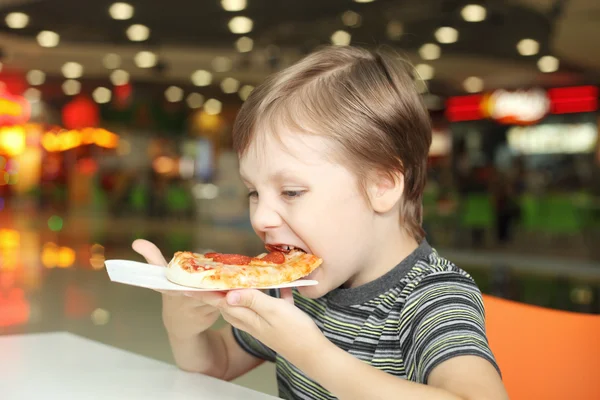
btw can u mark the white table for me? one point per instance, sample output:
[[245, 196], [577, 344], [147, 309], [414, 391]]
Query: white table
[[65, 366]]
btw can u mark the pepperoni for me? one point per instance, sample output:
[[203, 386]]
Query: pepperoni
[[275, 257], [229, 259]]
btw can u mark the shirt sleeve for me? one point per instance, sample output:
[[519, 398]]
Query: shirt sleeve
[[253, 346], [443, 318]]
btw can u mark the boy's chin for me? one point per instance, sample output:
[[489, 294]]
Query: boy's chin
[[313, 292]]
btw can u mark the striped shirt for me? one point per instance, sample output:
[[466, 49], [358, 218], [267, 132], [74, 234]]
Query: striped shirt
[[424, 311]]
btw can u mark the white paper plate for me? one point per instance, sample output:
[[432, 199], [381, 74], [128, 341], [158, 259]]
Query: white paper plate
[[153, 277]]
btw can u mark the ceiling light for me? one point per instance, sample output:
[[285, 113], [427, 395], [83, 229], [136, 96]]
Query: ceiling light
[[201, 78], [341, 38], [138, 33], [111, 61], [430, 51], [213, 106], [72, 70], [233, 5], [548, 64], [48, 39], [195, 100], [245, 92], [71, 87], [473, 84], [528, 47], [446, 34], [119, 77], [145, 59], [174, 94], [240, 25], [230, 85], [351, 19], [32, 95], [395, 30], [425, 71], [17, 20], [221, 64], [121, 11], [102, 95], [36, 77], [473, 13], [244, 44]]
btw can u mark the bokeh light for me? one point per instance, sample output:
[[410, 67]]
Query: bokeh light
[[55, 223]]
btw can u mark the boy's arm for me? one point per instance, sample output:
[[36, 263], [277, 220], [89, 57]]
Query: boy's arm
[[460, 378], [215, 353]]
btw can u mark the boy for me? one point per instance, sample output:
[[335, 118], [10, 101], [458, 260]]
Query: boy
[[333, 151]]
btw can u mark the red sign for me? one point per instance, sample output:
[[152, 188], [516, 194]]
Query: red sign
[[522, 107], [14, 110]]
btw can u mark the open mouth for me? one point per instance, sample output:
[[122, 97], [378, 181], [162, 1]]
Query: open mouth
[[284, 248]]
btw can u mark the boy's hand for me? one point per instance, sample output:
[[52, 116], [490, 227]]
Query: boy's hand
[[185, 314], [275, 322]]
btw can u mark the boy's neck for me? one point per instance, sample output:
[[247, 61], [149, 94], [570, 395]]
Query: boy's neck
[[388, 252]]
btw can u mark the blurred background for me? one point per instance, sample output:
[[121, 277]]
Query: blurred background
[[115, 123]]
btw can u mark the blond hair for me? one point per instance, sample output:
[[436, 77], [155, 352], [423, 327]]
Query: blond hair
[[365, 101]]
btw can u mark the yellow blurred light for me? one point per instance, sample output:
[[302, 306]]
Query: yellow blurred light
[[145, 59], [473, 84], [102, 95], [9, 259], [201, 78], [121, 11], [35, 77], [66, 257], [97, 248], [430, 51], [244, 44], [208, 122], [528, 47], [119, 77], [230, 85], [71, 87], [341, 38], [50, 255], [100, 316], [473, 13], [195, 100], [9, 238], [48, 39], [213, 106], [351, 18], [240, 25], [395, 30], [446, 34], [548, 64], [17, 20], [111, 61], [13, 140], [104, 138], [72, 70], [233, 5], [245, 92], [174, 94], [138, 32], [425, 71], [164, 165]]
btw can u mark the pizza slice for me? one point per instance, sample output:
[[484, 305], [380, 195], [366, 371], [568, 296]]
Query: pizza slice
[[218, 271]]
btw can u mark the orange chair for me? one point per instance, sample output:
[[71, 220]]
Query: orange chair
[[544, 354]]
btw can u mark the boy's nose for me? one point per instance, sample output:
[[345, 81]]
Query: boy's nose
[[265, 217]]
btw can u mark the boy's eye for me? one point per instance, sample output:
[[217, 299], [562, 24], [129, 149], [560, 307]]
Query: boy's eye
[[253, 194], [292, 193]]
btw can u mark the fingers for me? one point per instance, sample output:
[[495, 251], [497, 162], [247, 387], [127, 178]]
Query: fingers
[[149, 251], [287, 294]]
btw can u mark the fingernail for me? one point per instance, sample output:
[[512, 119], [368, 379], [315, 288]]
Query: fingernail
[[233, 298]]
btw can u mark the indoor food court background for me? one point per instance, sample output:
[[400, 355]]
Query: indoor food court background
[[115, 123]]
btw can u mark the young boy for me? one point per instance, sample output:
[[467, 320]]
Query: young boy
[[333, 151]]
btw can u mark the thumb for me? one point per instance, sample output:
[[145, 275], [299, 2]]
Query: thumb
[[253, 299], [149, 251]]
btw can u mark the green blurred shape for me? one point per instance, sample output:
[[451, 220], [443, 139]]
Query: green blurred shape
[[478, 211], [55, 223]]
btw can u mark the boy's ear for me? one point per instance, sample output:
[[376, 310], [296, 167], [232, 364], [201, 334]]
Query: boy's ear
[[385, 191]]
